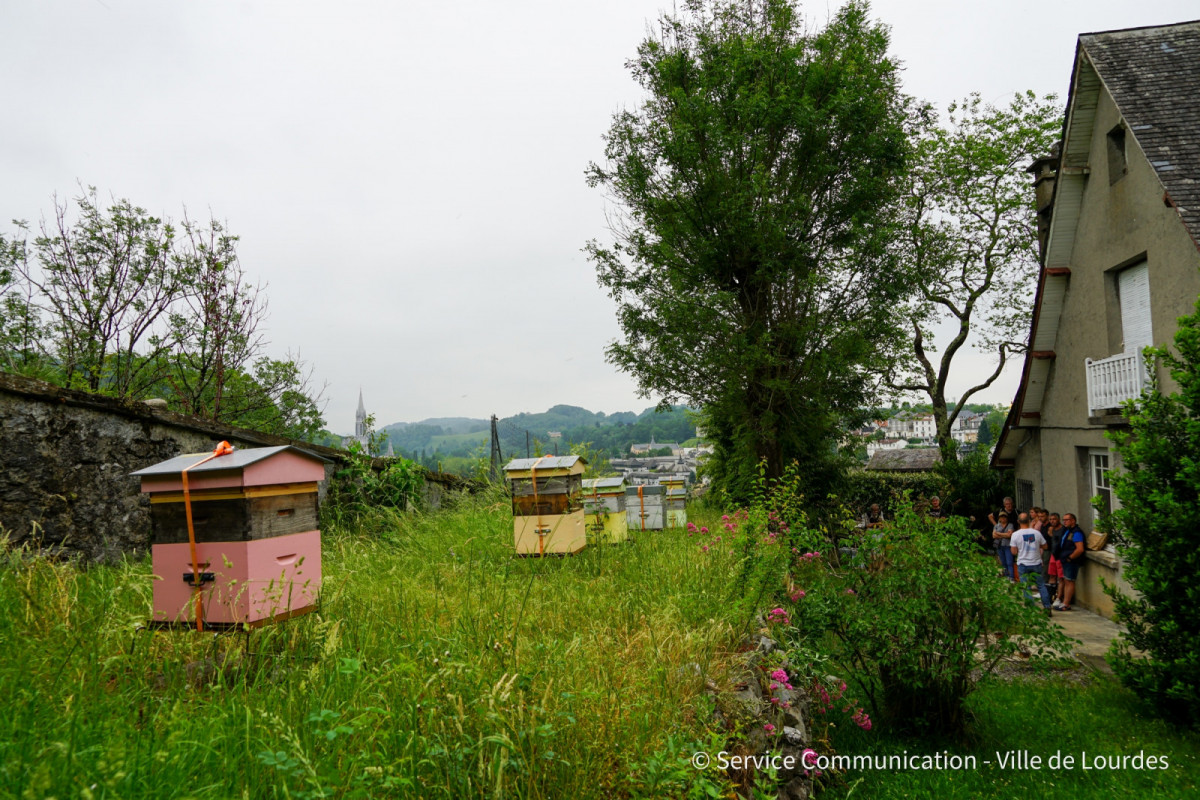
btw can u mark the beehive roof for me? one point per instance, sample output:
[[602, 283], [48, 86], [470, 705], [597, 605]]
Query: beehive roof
[[545, 462], [238, 459], [604, 483]]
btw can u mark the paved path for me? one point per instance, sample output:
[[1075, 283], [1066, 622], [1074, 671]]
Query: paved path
[[1094, 633]]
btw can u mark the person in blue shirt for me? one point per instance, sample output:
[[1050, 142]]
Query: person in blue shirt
[[1069, 547]]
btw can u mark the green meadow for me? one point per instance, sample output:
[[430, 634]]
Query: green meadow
[[440, 665]]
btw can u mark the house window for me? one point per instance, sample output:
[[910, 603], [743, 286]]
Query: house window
[[1116, 154], [1133, 292], [1024, 495], [1100, 467]]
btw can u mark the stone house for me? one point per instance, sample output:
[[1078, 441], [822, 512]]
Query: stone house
[[1119, 224]]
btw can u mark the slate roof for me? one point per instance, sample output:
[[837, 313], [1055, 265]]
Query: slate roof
[[1154, 76], [919, 459]]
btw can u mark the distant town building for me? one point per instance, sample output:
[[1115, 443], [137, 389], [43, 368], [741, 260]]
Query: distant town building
[[966, 426], [913, 425], [646, 447], [875, 445]]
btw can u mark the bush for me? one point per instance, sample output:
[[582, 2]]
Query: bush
[[864, 487], [364, 484], [1159, 490], [915, 618], [973, 488]]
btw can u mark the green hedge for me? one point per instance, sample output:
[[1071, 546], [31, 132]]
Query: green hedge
[[864, 487]]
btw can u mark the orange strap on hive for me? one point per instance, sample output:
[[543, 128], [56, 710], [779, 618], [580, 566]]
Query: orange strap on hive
[[222, 449], [642, 513]]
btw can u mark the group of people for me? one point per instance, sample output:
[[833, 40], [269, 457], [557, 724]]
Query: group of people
[[1040, 545], [1031, 546]]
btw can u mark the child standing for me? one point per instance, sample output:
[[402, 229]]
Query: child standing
[[1002, 540]]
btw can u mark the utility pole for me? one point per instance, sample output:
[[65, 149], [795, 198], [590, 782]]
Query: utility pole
[[496, 458], [527, 455]]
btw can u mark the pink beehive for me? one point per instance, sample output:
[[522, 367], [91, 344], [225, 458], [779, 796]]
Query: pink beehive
[[255, 531]]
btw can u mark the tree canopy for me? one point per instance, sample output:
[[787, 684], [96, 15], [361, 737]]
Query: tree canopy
[[111, 299], [1159, 490], [751, 264], [970, 230]]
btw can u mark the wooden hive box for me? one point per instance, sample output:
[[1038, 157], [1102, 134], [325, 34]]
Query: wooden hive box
[[604, 507], [644, 508], [547, 504], [254, 518], [676, 504], [675, 500]]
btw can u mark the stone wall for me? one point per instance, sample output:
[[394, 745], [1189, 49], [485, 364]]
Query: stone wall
[[65, 459]]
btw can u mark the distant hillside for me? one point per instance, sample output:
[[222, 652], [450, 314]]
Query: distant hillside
[[439, 439], [450, 425]]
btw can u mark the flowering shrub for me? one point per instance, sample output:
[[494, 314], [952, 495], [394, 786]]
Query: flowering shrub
[[915, 611], [778, 615]]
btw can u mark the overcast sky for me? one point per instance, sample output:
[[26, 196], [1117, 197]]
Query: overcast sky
[[408, 176]]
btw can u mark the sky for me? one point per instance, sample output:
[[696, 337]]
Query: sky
[[407, 178]]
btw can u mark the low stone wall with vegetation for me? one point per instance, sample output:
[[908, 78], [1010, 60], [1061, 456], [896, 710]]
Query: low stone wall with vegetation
[[66, 458]]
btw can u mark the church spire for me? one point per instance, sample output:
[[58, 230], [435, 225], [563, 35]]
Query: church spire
[[360, 418]]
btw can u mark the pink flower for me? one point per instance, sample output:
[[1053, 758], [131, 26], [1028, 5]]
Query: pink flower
[[704, 548], [851, 591], [724, 518], [769, 728], [704, 530], [797, 595], [779, 675]]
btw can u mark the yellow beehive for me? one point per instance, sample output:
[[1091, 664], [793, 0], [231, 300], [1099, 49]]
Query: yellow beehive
[[604, 504], [547, 504]]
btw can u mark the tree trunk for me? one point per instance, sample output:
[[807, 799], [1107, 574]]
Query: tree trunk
[[941, 419]]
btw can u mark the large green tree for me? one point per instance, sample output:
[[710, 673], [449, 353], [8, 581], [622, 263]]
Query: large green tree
[[971, 233], [751, 264], [1159, 490]]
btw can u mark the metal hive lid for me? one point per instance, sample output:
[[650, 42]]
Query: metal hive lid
[[238, 459], [604, 483], [546, 462]]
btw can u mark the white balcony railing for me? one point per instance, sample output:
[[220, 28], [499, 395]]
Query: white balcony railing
[[1113, 380]]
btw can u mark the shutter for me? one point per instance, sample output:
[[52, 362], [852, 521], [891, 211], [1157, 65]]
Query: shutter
[[1133, 288]]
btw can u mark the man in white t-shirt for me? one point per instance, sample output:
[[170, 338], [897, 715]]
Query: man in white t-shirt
[[1027, 547]]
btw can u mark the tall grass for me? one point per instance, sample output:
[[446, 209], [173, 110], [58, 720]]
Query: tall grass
[[439, 665]]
